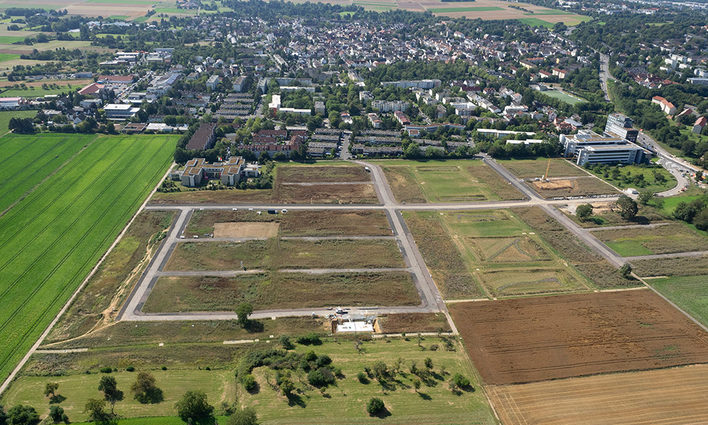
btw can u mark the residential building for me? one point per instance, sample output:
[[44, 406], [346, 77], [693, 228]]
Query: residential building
[[203, 138], [239, 83], [229, 172], [390, 105], [667, 107], [409, 84], [212, 82], [699, 125]]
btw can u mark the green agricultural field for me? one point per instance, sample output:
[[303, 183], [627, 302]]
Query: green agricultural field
[[52, 238], [563, 96], [465, 9], [536, 22], [652, 179], [6, 115], [498, 251], [446, 181], [688, 292], [343, 403], [30, 159], [4, 57], [10, 39]]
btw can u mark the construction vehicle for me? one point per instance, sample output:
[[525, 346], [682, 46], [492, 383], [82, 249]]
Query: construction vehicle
[[544, 178]]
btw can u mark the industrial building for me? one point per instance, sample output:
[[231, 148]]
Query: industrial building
[[589, 147]]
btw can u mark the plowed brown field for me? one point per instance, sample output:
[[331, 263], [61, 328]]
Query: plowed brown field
[[534, 339], [657, 397]]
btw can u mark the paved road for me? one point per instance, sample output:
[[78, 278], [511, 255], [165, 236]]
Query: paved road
[[605, 74], [629, 226], [325, 183]]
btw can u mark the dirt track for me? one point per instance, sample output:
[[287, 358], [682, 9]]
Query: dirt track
[[534, 339], [667, 397]]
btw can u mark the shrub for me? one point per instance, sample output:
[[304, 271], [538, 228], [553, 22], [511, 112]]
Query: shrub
[[361, 376], [249, 383], [310, 339], [375, 406], [130, 369], [106, 369], [286, 343], [321, 377]]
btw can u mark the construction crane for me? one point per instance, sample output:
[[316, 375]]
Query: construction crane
[[548, 167]]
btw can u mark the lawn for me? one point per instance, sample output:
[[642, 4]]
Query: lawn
[[52, 238], [688, 292], [446, 181], [561, 95], [281, 290], [344, 403], [6, 115], [494, 249], [652, 179]]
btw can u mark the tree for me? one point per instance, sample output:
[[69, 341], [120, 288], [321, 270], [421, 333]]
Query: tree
[[245, 416], [428, 363], [701, 220], [96, 410], [583, 212], [242, 312], [56, 414], [50, 389], [111, 393], [416, 384], [460, 381], [3, 416], [193, 407], [375, 406], [645, 197], [627, 207], [144, 389], [626, 271], [22, 415]]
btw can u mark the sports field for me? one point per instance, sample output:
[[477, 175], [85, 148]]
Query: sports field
[[535, 339], [501, 255], [564, 97], [58, 230], [667, 396], [446, 181]]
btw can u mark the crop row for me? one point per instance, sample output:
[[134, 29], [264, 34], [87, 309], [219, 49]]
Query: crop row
[[60, 243]]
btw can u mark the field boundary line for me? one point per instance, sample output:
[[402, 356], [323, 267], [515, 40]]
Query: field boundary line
[[71, 299]]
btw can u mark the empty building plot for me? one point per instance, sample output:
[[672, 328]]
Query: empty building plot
[[446, 181], [667, 396], [322, 174], [293, 223], [281, 291], [495, 249], [671, 238], [286, 254], [534, 339]]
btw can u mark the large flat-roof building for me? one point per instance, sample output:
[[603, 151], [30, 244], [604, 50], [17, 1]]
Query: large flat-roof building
[[120, 111], [589, 147], [622, 126]]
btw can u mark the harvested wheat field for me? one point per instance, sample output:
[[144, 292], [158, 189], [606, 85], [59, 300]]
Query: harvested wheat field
[[246, 230], [666, 396], [535, 339]]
